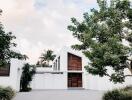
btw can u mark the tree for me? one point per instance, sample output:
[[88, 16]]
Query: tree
[[26, 78], [6, 43], [101, 35], [47, 56], [42, 64]]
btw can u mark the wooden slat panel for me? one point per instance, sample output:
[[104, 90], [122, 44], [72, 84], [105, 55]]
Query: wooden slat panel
[[74, 62]]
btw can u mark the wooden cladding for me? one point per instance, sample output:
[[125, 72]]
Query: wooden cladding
[[74, 80], [5, 70], [74, 62]]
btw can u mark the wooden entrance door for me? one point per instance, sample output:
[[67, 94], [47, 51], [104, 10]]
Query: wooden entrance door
[[74, 79]]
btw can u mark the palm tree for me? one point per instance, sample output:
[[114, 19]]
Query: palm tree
[[47, 56]]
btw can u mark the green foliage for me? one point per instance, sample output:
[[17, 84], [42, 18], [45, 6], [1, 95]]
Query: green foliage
[[127, 88], [101, 34], [47, 56], [119, 94], [42, 64], [6, 43], [6, 93], [26, 78]]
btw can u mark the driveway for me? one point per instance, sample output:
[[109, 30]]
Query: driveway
[[60, 95]]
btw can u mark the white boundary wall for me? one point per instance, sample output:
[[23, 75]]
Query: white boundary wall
[[103, 83], [13, 80], [49, 81]]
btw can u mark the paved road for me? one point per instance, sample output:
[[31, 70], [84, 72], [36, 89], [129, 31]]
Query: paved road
[[60, 95]]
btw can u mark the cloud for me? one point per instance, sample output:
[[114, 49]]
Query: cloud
[[32, 50], [42, 24]]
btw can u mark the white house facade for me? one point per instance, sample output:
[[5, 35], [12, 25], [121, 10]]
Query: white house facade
[[68, 72], [10, 75]]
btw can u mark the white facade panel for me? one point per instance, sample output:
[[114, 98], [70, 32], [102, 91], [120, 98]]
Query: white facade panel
[[59, 81], [49, 81], [38, 81]]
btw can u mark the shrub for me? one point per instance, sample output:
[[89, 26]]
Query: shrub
[[119, 94], [6, 93], [128, 88], [28, 72]]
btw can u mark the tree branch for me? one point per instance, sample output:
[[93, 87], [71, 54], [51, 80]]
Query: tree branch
[[128, 75], [129, 59], [107, 75]]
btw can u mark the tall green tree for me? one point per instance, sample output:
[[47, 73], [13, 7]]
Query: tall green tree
[[6, 43], [101, 35], [47, 56]]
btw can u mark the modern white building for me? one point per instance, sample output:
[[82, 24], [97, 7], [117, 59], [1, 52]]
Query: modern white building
[[68, 72], [10, 75]]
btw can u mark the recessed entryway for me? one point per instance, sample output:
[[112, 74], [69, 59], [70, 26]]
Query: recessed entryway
[[74, 80]]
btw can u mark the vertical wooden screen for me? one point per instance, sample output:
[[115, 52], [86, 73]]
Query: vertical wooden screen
[[74, 62]]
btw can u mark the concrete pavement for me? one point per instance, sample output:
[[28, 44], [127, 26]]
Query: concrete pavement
[[60, 95]]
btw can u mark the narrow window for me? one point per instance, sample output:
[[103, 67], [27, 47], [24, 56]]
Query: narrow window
[[59, 63], [56, 64]]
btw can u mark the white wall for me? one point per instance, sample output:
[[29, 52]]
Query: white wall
[[103, 83], [49, 81], [13, 80]]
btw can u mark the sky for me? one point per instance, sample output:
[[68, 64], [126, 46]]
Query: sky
[[42, 24]]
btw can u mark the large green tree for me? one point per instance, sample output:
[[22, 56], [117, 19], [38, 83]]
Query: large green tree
[[6, 43], [102, 35]]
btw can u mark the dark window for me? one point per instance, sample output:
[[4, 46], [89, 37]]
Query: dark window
[[54, 66], [58, 63], [5, 70]]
